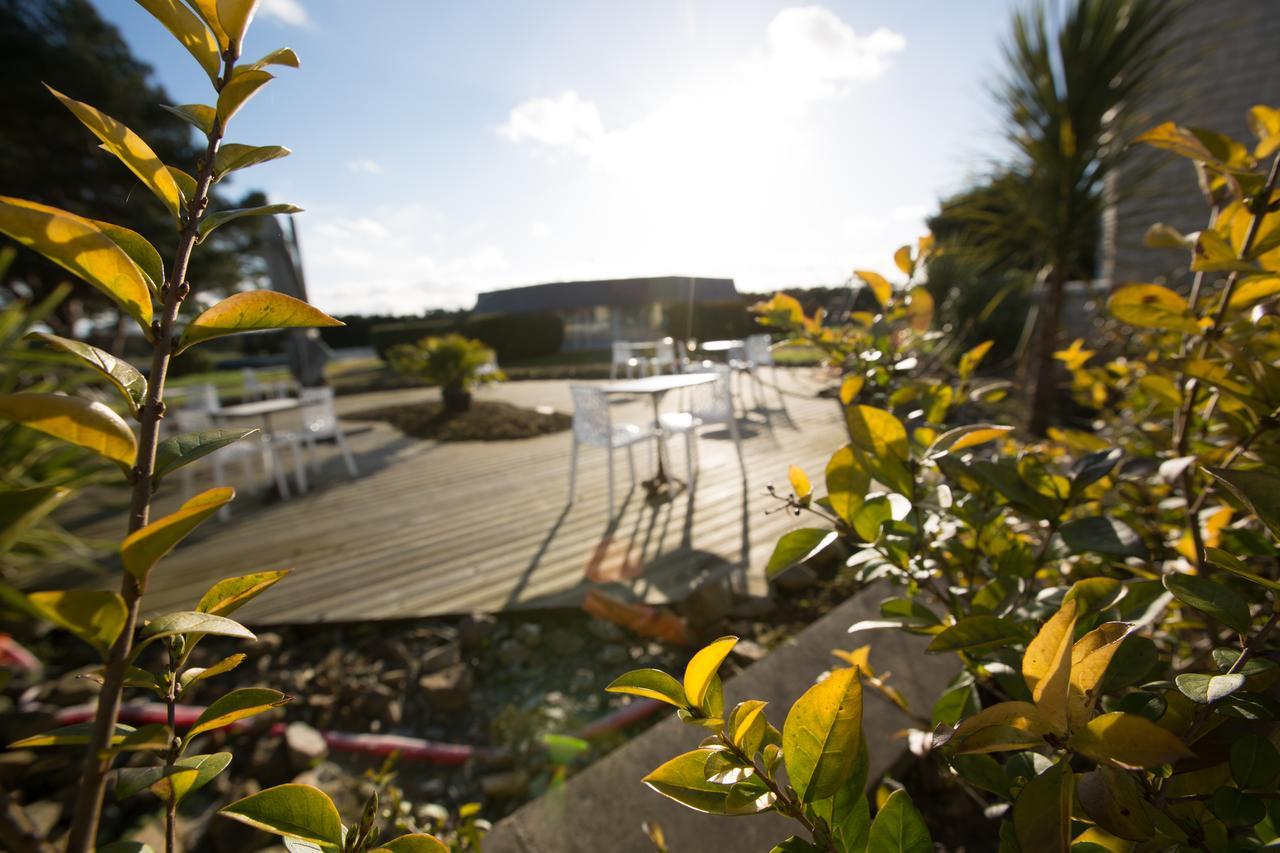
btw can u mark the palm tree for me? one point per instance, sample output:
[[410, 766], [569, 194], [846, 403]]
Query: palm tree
[[1071, 82]]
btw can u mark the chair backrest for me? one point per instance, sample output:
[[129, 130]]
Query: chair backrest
[[665, 352], [319, 418], [713, 401], [252, 385], [758, 351], [203, 397], [191, 419], [591, 420], [621, 352]]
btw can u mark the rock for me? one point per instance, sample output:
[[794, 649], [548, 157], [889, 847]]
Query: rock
[[305, 746], [475, 630], [614, 655], [269, 762], [434, 660], [605, 631], [708, 604], [750, 650], [566, 643], [341, 787], [529, 634], [268, 643], [512, 652], [13, 766], [753, 607], [449, 689], [512, 783], [75, 688], [44, 814], [796, 578]]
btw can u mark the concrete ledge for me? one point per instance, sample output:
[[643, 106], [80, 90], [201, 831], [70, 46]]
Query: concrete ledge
[[602, 807]]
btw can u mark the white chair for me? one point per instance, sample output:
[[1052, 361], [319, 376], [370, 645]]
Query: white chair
[[320, 423], [709, 403], [199, 398], [664, 360], [253, 388], [756, 354], [624, 357], [593, 426], [244, 451]]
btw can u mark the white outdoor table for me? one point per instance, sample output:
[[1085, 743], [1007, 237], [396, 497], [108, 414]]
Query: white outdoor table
[[721, 346], [660, 486], [263, 409]]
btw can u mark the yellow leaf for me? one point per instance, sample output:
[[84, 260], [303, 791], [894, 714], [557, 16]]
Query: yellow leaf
[[877, 431], [924, 246], [85, 423], [130, 149], [1127, 740], [1090, 657], [252, 311], [903, 259], [236, 705], [799, 482], [1104, 839], [80, 247], [850, 387], [94, 615], [1264, 121], [1254, 289], [847, 483], [702, 669], [859, 657], [781, 309], [880, 287], [964, 437], [970, 360], [1005, 726], [281, 56], [920, 309], [221, 217], [238, 91], [143, 548], [234, 16], [1046, 666], [1074, 356], [1152, 306], [208, 10], [1212, 524], [190, 31]]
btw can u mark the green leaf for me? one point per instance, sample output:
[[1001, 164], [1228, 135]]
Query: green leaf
[[1235, 808], [1255, 763], [975, 633], [297, 811], [1006, 480], [1093, 467], [1233, 564], [126, 847], [1205, 688], [199, 116], [222, 217], [847, 483], [651, 684], [185, 182], [142, 549], [179, 450], [194, 622], [821, 736], [899, 828], [82, 248], [130, 149], [1042, 811], [194, 675], [189, 31], [416, 843], [965, 437], [1101, 535], [798, 546], [747, 724], [232, 156], [868, 520], [876, 431], [795, 844], [238, 91], [132, 780], [1258, 490], [236, 705], [1112, 798], [94, 615], [1225, 659], [230, 594], [1127, 740], [85, 423], [983, 771], [250, 312], [77, 735], [684, 779], [1211, 598], [21, 509], [1095, 594], [126, 378], [1152, 306], [702, 669]]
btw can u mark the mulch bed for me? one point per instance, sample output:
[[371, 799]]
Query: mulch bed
[[485, 421]]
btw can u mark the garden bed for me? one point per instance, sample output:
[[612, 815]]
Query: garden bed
[[484, 421]]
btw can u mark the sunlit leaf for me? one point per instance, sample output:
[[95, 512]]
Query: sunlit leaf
[[85, 423], [235, 16], [415, 843], [230, 594], [222, 217], [145, 547], [702, 668], [1258, 490], [238, 91], [1102, 535], [189, 31], [179, 450], [1254, 289], [138, 248], [130, 149], [899, 828], [970, 360], [196, 674], [1233, 564], [822, 735], [1127, 740], [253, 311], [879, 285], [1002, 727], [77, 735], [195, 622], [847, 483], [1046, 666], [976, 633], [1042, 811], [964, 437], [798, 546], [236, 705], [208, 11], [233, 156], [684, 779], [94, 615], [849, 388], [651, 684], [1207, 688], [1152, 306], [199, 116], [746, 725], [876, 431], [1090, 657], [79, 246], [126, 378], [280, 56], [22, 509], [300, 811], [920, 309], [903, 260]]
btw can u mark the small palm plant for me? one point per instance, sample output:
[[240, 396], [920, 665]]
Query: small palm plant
[[454, 362]]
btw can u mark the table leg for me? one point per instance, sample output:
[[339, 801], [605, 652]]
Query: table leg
[[660, 487]]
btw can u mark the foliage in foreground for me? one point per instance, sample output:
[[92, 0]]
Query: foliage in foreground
[[129, 271], [1111, 596]]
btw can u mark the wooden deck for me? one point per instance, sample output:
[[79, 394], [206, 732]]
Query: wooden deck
[[432, 528]]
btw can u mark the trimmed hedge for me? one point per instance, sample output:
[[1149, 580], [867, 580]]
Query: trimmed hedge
[[711, 320], [512, 337]]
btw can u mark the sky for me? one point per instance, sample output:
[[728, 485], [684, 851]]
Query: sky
[[441, 149]]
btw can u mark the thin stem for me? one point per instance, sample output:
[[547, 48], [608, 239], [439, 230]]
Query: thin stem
[[1251, 648], [97, 760], [171, 757], [789, 807]]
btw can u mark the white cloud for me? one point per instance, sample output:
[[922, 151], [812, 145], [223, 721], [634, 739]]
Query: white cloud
[[814, 54], [567, 121], [286, 11], [365, 165], [540, 230]]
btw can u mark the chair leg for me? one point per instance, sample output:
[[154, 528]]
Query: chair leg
[[610, 452], [573, 469], [339, 437], [282, 482], [224, 512], [688, 456], [631, 463], [300, 466]]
